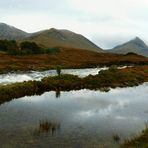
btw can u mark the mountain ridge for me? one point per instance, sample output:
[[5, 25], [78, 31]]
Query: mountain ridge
[[64, 38], [67, 39], [135, 45], [49, 38], [11, 33]]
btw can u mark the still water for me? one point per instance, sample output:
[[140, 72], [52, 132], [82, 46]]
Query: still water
[[75, 119]]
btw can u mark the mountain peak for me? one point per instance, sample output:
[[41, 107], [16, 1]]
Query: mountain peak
[[11, 33], [138, 42], [3, 24], [63, 38], [6, 26], [137, 38], [53, 29], [135, 45]]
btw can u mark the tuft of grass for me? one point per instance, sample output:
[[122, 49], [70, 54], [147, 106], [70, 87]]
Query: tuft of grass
[[113, 68], [58, 70], [116, 138]]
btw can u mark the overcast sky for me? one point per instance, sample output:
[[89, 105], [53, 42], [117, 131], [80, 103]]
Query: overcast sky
[[105, 22]]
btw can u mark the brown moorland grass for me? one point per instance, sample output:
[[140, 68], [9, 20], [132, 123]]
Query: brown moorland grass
[[66, 58]]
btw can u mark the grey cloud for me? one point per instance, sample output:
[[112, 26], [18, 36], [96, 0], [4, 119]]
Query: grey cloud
[[107, 22], [38, 5]]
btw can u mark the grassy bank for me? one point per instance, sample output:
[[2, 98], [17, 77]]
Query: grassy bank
[[140, 141], [131, 76], [66, 58]]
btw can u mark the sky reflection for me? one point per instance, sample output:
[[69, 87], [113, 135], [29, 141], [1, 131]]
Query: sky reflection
[[90, 113]]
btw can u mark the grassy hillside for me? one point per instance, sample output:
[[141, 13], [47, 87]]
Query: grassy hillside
[[49, 38], [64, 38]]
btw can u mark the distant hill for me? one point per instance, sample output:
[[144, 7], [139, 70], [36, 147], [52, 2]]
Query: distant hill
[[11, 33], [136, 46], [49, 38], [63, 38]]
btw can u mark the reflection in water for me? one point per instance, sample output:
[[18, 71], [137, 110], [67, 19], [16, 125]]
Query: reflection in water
[[88, 118], [104, 89], [49, 127], [58, 93]]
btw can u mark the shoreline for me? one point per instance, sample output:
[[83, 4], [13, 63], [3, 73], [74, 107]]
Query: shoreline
[[111, 78], [139, 141], [79, 67], [28, 70]]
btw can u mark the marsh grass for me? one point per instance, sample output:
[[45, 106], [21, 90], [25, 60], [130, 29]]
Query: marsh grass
[[140, 141], [105, 79], [116, 138]]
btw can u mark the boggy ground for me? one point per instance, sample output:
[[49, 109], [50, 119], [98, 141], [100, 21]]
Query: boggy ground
[[66, 58], [131, 76]]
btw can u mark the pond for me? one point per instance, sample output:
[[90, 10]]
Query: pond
[[76, 119]]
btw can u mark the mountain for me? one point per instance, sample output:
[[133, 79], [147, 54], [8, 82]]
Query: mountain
[[49, 38], [11, 33], [136, 46], [62, 38]]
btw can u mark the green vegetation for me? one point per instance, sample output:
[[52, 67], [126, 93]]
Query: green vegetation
[[30, 48], [106, 78], [138, 142], [9, 46], [58, 69], [113, 68], [52, 50], [24, 48], [131, 53]]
